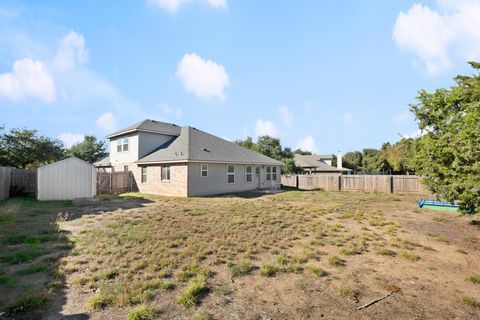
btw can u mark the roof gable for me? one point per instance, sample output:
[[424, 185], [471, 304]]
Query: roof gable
[[199, 146], [150, 126]]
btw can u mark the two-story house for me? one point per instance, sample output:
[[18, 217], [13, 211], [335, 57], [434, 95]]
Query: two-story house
[[170, 160]]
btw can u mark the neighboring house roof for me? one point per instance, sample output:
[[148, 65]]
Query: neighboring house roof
[[149, 126], [193, 145], [105, 162], [315, 162]]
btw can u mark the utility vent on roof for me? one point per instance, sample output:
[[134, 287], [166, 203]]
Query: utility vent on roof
[[206, 150]]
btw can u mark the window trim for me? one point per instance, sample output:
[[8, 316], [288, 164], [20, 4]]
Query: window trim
[[268, 173], [121, 143], [168, 173], [202, 170], [143, 172], [247, 174], [230, 173]]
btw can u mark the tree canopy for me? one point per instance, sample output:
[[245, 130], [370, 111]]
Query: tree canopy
[[24, 148], [89, 150], [448, 154], [271, 147]]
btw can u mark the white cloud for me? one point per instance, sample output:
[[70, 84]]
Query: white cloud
[[172, 6], [107, 122], [29, 78], [205, 78], [69, 139], [286, 116], [70, 52], [172, 111], [415, 134], [348, 117], [169, 5], [307, 144], [435, 35], [217, 3], [265, 128]]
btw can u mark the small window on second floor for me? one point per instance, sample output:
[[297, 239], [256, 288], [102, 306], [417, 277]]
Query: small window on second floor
[[122, 144], [204, 170]]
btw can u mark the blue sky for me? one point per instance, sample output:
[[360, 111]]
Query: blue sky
[[323, 75]]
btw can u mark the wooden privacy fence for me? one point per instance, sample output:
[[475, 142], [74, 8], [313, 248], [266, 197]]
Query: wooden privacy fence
[[5, 180], [361, 183], [24, 180], [115, 182]]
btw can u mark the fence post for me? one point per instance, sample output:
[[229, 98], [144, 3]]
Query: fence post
[[340, 182], [296, 181], [390, 179]]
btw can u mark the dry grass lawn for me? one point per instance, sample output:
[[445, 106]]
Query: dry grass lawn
[[294, 255]]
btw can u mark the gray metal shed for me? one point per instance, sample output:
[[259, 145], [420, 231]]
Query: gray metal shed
[[67, 179]]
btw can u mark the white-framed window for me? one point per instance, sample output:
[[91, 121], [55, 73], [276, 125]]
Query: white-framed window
[[204, 170], [269, 173], [274, 173], [248, 174], [165, 173], [144, 174], [122, 144], [230, 174]]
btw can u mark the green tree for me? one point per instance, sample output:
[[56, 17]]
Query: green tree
[[270, 147], [400, 156], [352, 160], [247, 143], [22, 148], [302, 152], [448, 154], [371, 160], [89, 150]]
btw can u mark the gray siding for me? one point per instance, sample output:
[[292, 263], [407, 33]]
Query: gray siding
[[147, 142], [66, 180], [216, 181]]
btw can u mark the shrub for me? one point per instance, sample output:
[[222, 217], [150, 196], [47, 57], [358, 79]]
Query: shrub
[[141, 313]]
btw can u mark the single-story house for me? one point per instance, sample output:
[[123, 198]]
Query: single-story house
[[167, 159], [317, 164]]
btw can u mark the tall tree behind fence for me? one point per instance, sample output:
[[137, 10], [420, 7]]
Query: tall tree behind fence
[[361, 183], [115, 183], [5, 180]]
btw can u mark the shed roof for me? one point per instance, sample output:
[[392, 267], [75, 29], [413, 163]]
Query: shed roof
[[193, 145]]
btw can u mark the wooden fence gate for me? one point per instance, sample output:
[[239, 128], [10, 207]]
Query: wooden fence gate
[[115, 183]]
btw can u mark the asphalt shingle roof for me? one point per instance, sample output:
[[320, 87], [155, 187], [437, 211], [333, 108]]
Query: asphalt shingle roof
[[315, 161], [150, 126], [196, 145]]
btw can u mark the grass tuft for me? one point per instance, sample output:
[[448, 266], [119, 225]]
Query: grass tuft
[[409, 256], [142, 312], [190, 297], [269, 270], [471, 302], [30, 300], [241, 269], [474, 278], [316, 271], [335, 261]]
